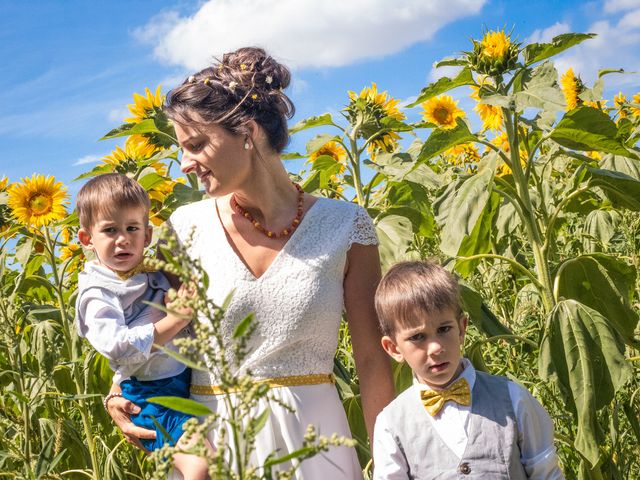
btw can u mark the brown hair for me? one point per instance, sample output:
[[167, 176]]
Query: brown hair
[[245, 85], [106, 194], [412, 289]]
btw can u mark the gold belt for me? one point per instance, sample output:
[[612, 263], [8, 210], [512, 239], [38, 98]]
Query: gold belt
[[291, 381]]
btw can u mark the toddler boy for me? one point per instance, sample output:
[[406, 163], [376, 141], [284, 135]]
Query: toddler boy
[[113, 309], [454, 421]]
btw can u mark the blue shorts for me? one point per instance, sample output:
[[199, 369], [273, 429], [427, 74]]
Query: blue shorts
[[171, 420]]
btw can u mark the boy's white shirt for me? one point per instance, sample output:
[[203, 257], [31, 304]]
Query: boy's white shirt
[[535, 433], [127, 347]]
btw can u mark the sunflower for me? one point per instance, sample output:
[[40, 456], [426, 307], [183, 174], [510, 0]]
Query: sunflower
[[491, 115], [595, 155], [144, 107], [373, 107], [331, 149], [635, 111], [162, 190], [495, 45], [69, 251], [3, 183], [442, 111], [571, 86], [38, 201], [462, 153], [136, 149]]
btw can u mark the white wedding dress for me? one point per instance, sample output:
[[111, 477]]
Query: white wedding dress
[[297, 304]]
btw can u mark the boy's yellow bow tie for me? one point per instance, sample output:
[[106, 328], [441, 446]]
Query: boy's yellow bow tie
[[458, 392]]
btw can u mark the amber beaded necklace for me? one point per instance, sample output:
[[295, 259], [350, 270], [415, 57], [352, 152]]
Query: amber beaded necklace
[[287, 231]]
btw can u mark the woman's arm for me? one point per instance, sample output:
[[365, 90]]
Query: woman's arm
[[120, 409], [372, 364]]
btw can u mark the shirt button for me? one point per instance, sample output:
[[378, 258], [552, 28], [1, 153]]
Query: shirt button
[[464, 468]]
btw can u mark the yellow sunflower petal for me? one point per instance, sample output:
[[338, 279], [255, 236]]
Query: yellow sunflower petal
[[635, 111], [495, 44], [331, 149], [571, 87], [143, 106]]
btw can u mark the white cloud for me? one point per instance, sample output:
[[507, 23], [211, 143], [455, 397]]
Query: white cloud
[[117, 115], [437, 73], [547, 34], [614, 47], [88, 159], [613, 6], [301, 33]]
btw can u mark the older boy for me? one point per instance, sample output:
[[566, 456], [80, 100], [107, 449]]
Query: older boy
[[454, 421]]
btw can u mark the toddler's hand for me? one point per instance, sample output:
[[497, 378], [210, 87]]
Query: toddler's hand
[[175, 301]]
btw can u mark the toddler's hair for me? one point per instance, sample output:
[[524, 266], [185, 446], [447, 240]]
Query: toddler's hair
[[411, 289], [106, 194]]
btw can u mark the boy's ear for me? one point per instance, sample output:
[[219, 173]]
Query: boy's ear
[[391, 348], [84, 237], [147, 235], [464, 322]]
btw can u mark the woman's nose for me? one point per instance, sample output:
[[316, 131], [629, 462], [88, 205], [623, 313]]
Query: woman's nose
[[186, 163]]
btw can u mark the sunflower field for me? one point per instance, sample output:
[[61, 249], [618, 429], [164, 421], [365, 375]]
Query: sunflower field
[[537, 211]]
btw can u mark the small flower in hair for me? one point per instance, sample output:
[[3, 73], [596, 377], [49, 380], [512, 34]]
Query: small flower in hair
[[232, 86], [269, 79], [191, 79], [243, 66], [254, 97]]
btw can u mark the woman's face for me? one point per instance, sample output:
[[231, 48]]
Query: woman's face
[[215, 155]]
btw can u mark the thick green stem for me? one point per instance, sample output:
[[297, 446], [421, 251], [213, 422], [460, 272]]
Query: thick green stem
[[529, 217], [355, 166]]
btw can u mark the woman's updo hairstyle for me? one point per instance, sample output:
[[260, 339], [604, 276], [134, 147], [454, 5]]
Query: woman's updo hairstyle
[[246, 85]]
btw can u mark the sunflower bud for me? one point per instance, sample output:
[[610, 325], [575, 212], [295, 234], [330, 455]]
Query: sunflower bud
[[494, 55]]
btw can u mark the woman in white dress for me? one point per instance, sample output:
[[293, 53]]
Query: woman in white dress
[[294, 260]]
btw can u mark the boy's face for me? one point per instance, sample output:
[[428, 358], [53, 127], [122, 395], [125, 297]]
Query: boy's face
[[118, 240], [431, 346]]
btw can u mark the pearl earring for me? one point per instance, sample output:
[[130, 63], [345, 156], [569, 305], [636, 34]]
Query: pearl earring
[[246, 145]]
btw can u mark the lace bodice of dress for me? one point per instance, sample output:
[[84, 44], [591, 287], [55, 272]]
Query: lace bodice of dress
[[298, 301]]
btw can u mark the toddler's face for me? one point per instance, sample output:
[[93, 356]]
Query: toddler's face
[[118, 240], [431, 346]]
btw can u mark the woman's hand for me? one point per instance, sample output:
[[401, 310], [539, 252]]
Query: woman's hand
[[120, 410]]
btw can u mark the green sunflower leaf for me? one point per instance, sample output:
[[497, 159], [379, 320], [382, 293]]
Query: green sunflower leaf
[[444, 85], [587, 129], [536, 52], [311, 122], [605, 284], [441, 140], [585, 357]]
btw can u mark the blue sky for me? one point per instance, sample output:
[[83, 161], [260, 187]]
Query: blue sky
[[70, 67]]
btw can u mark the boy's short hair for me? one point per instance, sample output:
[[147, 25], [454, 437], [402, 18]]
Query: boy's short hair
[[108, 193], [412, 289]]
